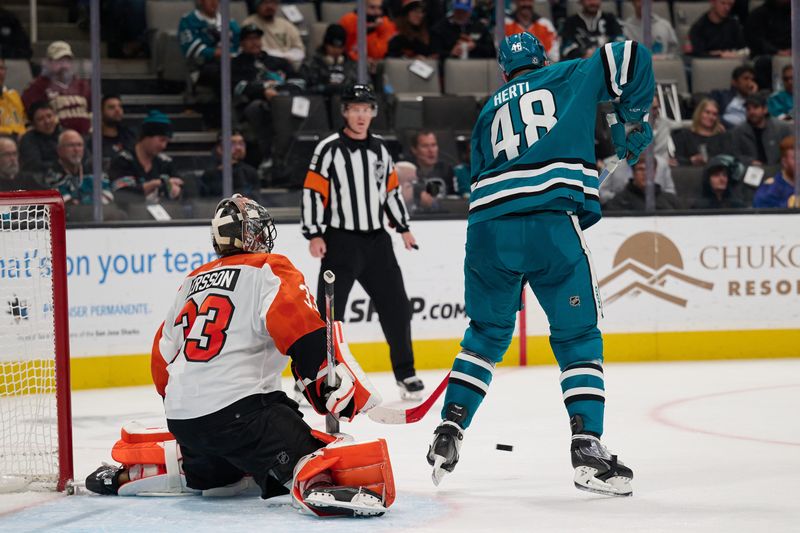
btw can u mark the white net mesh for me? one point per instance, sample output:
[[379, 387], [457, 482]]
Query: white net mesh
[[28, 407]]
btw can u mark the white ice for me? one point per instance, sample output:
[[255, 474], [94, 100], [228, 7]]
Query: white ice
[[715, 446]]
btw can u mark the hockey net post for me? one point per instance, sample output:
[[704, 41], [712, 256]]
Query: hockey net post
[[35, 410]]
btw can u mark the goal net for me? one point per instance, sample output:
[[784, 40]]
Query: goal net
[[35, 432]]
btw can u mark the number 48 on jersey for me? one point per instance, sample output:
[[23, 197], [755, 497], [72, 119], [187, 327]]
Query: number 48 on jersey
[[537, 113]]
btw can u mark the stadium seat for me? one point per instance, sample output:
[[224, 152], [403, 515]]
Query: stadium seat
[[408, 85], [295, 137], [710, 74], [458, 113], [671, 70], [660, 8], [316, 34], [688, 12], [165, 15], [688, 183], [18, 74], [238, 11], [468, 77], [332, 11]]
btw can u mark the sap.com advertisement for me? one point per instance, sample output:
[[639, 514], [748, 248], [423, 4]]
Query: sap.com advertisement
[[653, 274]]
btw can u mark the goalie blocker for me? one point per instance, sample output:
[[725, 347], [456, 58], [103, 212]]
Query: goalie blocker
[[340, 478]]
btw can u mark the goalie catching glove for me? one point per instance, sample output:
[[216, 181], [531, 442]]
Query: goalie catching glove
[[353, 393]]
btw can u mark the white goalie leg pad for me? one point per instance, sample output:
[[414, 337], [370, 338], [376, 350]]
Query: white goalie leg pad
[[152, 483]]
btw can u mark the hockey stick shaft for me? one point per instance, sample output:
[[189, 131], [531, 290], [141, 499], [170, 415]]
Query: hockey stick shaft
[[387, 415], [331, 423]]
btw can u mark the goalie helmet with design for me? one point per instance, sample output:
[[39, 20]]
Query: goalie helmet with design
[[242, 225], [521, 51]]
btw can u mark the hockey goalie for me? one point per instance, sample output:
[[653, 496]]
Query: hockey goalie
[[217, 361]]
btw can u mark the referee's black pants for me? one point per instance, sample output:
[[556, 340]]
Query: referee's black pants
[[368, 257]]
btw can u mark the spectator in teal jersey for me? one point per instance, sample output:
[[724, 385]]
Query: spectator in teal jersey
[[781, 103]]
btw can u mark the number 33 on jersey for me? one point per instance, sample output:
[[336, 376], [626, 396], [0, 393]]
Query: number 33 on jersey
[[533, 143], [217, 323]]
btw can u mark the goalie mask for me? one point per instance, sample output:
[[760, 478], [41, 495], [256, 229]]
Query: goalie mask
[[242, 225]]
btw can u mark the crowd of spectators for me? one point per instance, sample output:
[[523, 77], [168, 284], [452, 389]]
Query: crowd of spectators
[[744, 125]]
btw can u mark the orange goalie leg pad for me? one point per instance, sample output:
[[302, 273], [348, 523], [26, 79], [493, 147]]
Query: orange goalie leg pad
[[141, 445], [363, 464]]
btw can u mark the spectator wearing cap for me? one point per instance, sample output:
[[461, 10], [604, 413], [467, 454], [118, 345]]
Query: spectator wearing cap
[[588, 29], [12, 112], [781, 103], [256, 78], [380, 29], [718, 179], [69, 96], [632, 196], [717, 33], [279, 38], [330, 69], [778, 191], [14, 42], [10, 177], [525, 19], [731, 100], [146, 172], [38, 147], [458, 36], [413, 40], [665, 40], [71, 178], [116, 135], [757, 140], [245, 177], [199, 34]]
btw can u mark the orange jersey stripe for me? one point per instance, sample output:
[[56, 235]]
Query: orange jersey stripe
[[392, 183], [316, 182], [158, 367]]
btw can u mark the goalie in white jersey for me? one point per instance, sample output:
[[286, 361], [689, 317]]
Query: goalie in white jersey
[[217, 361]]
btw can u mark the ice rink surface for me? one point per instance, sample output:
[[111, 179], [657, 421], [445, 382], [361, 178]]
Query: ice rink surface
[[715, 446]]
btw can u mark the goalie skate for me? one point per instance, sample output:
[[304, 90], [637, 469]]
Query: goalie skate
[[597, 470], [345, 501]]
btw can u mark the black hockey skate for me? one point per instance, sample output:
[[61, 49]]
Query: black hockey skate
[[345, 501], [411, 388], [104, 480], [597, 470], [443, 453]]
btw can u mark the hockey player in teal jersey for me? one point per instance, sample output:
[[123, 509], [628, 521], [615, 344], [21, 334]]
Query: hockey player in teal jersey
[[534, 190]]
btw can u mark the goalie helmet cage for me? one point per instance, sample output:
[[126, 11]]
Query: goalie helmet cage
[[35, 411]]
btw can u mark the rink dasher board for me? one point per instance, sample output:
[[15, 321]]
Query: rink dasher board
[[672, 288]]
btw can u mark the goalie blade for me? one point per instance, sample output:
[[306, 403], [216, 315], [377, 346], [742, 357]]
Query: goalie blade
[[345, 501], [614, 486]]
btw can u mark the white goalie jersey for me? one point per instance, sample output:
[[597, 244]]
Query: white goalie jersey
[[228, 332]]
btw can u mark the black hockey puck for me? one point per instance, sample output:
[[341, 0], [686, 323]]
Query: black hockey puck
[[505, 447]]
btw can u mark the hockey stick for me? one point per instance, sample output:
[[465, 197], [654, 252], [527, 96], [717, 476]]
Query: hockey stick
[[387, 415], [331, 423]]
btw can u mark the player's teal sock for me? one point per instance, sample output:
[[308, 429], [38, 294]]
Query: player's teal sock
[[468, 384], [584, 394]]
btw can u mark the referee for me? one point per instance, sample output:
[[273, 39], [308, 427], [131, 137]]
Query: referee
[[350, 184]]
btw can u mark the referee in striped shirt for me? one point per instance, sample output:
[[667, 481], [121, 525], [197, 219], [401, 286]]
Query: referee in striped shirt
[[351, 183]]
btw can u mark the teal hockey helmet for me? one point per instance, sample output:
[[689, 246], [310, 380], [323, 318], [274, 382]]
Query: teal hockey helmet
[[521, 50]]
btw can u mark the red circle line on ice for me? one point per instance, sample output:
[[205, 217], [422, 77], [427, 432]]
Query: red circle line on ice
[[659, 415]]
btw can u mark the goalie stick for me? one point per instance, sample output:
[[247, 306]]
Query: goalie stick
[[387, 415], [331, 423]]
